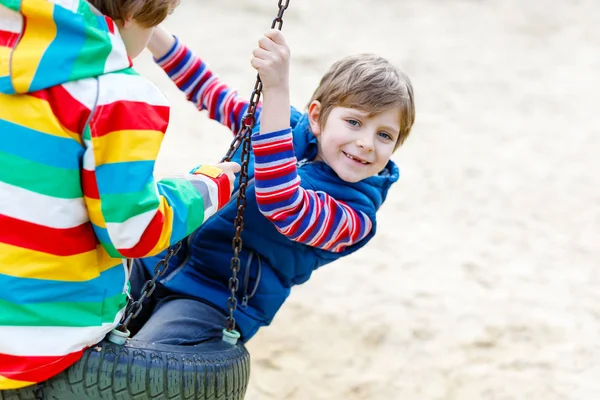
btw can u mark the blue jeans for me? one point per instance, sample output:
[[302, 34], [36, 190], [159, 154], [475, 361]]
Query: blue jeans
[[171, 318]]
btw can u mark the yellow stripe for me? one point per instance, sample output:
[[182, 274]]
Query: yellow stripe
[[25, 263], [39, 33], [7, 383], [127, 145], [33, 113], [95, 211], [167, 228], [4, 60]]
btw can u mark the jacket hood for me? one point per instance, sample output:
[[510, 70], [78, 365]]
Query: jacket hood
[[44, 43]]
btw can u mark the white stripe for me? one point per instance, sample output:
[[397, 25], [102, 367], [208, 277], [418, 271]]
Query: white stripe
[[10, 21], [89, 160], [40, 209], [71, 5], [41, 341], [84, 91], [126, 234], [213, 192], [117, 58], [123, 87]]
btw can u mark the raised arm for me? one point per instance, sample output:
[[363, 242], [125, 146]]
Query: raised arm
[[306, 216], [193, 77], [133, 215]]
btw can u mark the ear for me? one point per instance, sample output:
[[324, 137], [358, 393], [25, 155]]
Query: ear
[[314, 112]]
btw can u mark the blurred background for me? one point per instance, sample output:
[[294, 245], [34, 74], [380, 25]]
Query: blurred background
[[483, 281]]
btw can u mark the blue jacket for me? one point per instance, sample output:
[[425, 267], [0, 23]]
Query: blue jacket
[[270, 262]]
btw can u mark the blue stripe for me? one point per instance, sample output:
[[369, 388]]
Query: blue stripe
[[101, 234], [124, 177], [56, 65], [6, 85], [40, 147], [101, 23], [29, 291], [180, 211]]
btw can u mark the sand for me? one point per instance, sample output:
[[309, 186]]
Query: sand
[[483, 281]]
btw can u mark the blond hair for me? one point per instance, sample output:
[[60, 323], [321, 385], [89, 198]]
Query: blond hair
[[148, 13], [369, 83]]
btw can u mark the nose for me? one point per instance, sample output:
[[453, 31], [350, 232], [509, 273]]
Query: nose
[[365, 143]]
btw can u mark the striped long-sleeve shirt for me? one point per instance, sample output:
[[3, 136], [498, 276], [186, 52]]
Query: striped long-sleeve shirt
[[310, 217], [79, 134]]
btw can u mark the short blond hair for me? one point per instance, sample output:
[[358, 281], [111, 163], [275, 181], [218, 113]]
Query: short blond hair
[[369, 83], [148, 13]]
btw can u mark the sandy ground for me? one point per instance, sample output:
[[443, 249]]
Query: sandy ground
[[483, 282]]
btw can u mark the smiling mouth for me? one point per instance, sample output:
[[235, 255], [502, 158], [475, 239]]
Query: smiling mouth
[[353, 158]]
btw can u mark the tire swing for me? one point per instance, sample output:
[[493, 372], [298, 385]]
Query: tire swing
[[117, 369]]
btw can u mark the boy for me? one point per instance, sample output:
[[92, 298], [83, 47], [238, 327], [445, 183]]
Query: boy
[[79, 134], [316, 182]]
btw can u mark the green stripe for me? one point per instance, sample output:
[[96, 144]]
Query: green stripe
[[61, 314], [191, 205], [120, 207], [92, 57], [40, 178], [12, 4]]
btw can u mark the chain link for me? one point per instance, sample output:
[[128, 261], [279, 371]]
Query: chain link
[[243, 139], [134, 309]]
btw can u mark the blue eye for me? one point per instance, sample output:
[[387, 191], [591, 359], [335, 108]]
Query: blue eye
[[386, 135], [353, 122]]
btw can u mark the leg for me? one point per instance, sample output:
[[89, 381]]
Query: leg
[[182, 321]]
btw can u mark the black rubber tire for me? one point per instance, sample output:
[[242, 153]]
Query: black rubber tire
[[213, 370]]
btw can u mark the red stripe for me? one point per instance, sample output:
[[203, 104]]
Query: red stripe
[[148, 240], [129, 115], [89, 184], [58, 242], [36, 369], [268, 173], [8, 39], [69, 111], [224, 193], [110, 24]]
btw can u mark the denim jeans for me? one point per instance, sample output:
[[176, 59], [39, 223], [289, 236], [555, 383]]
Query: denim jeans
[[171, 318]]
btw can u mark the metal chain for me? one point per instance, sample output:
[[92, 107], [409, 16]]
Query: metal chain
[[243, 138], [134, 309]]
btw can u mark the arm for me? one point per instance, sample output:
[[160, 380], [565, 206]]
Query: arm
[[133, 215], [193, 77], [306, 216]]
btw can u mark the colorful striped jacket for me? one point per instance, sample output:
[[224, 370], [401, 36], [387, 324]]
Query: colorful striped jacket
[[79, 135]]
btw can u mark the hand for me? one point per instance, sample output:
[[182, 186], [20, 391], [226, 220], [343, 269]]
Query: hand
[[272, 60], [230, 168]]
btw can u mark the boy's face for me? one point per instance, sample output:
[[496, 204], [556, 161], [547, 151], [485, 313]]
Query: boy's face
[[134, 35], [355, 145]]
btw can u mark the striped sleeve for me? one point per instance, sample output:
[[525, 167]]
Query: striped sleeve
[[133, 215], [306, 216], [203, 88]]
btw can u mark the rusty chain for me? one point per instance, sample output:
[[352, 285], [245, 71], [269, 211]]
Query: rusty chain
[[134, 309], [242, 138]]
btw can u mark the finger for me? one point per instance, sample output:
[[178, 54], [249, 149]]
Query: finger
[[233, 166], [266, 43], [260, 53], [276, 36]]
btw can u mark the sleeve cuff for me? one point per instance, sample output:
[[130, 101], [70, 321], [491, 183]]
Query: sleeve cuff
[[164, 60]]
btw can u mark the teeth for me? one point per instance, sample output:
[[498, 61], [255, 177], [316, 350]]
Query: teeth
[[356, 159]]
